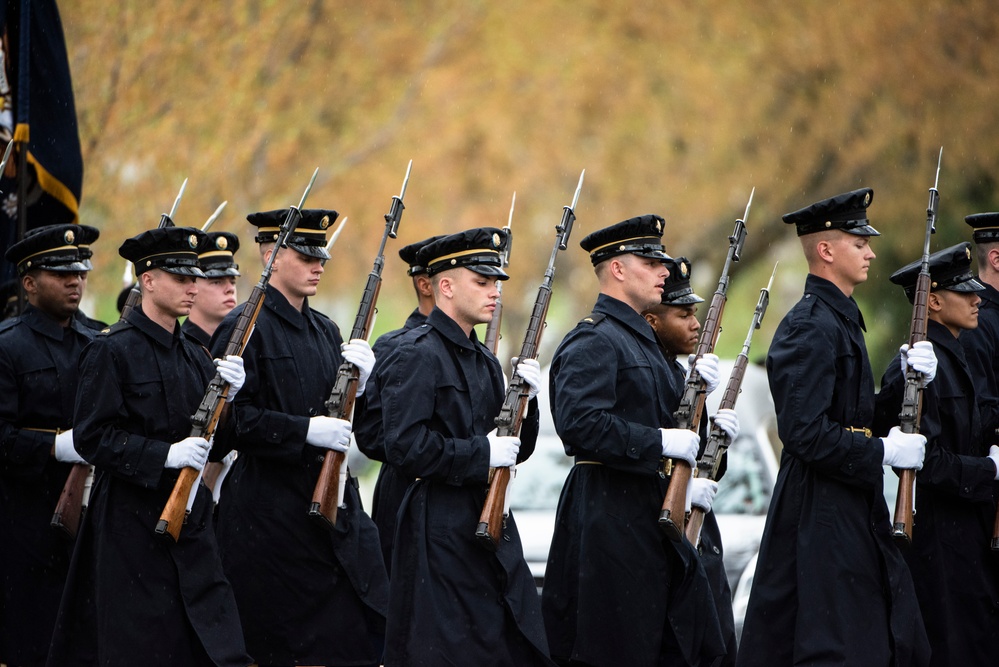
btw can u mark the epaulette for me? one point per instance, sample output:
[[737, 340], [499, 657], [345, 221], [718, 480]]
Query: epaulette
[[593, 318], [9, 323], [120, 325]]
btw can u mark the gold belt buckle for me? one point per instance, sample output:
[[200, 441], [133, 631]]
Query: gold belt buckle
[[853, 429], [667, 467]]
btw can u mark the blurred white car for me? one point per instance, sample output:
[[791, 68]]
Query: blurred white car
[[743, 495]]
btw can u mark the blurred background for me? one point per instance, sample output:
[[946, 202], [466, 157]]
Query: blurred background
[[678, 109]]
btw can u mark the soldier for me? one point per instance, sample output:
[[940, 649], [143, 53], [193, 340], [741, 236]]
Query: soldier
[[617, 590], [39, 354], [436, 397], [217, 290], [391, 484], [131, 596], [831, 587], [676, 327], [955, 572], [329, 595], [980, 343]]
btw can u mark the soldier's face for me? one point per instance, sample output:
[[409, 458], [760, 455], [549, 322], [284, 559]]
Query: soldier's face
[[472, 297], [957, 310], [54, 292], [644, 280], [170, 293], [677, 328], [216, 297], [297, 275], [852, 256]]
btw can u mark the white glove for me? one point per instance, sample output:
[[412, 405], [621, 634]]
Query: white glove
[[329, 433], [994, 455], [701, 493], [503, 450], [707, 366], [231, 370], [64, 450], [226, 462], [530, 370], [922, 358], [904, 450], [188, 453], [728, 421], [359, 353], [680, 443]]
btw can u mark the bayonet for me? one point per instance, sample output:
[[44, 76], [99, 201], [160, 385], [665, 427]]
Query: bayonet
[[6, 156], [176, 202], [214, 216], [335, 235]]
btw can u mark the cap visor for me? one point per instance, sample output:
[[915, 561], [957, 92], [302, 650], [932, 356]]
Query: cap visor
[[72, 267], [970, 285], [653, 254], [684, 300], [488, 270], [221, 273], [183, 270], [317, 251], [863, 230]]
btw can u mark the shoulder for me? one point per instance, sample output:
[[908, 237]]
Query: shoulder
[[325, 322], [9, 326], [116, 329]]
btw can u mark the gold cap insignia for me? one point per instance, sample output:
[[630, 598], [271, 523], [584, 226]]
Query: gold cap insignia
[[659, 227], [867, 199], [828, 224], [684, 269], [221, 243], [967, 252], [69, 236], [497, 241], [325, 222], [192, 241], [453, 262]]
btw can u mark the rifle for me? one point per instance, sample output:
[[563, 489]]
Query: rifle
[[718, 443], [328, 493], [206, 419], [166, 220], [688, 415], [912, 398], [492, 337], [489, 530]]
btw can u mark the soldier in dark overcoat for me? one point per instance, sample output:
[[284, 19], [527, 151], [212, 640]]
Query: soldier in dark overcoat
[[676, 327], [955, 572], [217, 290], [134, 597], [617, 590], [391, 484], [981, 344], [39, 354], [437, 395], [307, 594], [831, 587]]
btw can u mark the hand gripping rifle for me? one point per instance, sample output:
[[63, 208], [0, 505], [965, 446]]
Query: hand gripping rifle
[[328, 494], [73, 497], [718, 441], [206, 419], [492, 337], [490, 528], [688, 415], [166, 220], [912, 398]]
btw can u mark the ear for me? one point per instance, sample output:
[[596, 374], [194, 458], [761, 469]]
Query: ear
[[267, 258], [146, 280], [446, 287], [29, 283], [824, 250], [933, 302], [650, 318], [424, 286], [616, 268], [994, 259]]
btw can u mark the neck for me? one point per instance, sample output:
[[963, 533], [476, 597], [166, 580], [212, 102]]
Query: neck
[[61, 321], [297, 302], [203, 322], [616, 291], [844, 286], [166, 320], [990, 278], [426, 305], [465, 326]]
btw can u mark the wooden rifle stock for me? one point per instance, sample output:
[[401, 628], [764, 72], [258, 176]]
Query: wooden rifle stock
[[688, 414], [328, 492], [206, 419], [70, 506], [912, 397], [489, 530]]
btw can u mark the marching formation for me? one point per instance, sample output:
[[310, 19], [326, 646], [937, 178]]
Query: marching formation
[[177, 492]]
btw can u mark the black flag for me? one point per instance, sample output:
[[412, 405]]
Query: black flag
[[38, 111]]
